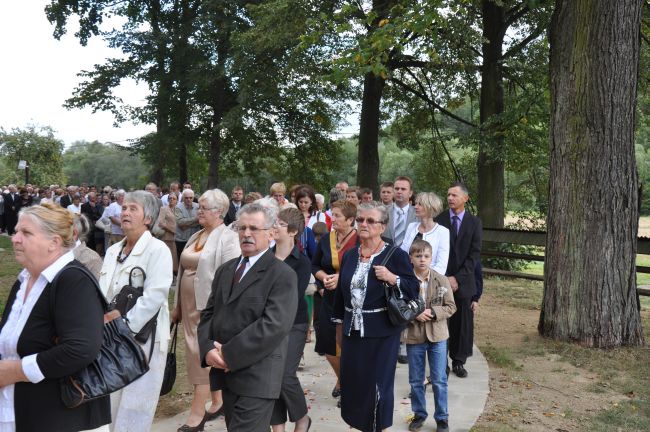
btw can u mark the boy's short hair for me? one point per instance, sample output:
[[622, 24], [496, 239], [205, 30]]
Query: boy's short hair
[[419, 246], [319, 228]]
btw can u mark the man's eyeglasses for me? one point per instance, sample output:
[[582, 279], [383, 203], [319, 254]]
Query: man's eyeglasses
[[203, 209], [369, 221], [252, 229]]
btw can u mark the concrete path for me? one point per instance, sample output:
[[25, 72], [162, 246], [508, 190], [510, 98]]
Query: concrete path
[[467, 398]]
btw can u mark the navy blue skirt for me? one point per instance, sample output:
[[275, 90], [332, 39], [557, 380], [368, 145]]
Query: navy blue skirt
[[367, 381]]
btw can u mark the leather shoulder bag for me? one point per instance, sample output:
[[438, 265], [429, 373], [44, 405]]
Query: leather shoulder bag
[[400, 310], [126, 299], [120, 361]]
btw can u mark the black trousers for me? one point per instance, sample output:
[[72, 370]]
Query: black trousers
[[180, 245], [292, 396], [246, 414], [461, 331]]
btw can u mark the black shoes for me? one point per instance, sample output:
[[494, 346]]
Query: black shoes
[[212, 416], [416, 423], [442, 426], [336, 392], [402, 359], [459, 370]]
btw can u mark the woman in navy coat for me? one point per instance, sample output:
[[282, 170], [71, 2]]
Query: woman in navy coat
[[369, 342]]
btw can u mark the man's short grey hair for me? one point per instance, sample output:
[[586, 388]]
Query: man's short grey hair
[[147, 201], [270, 214], [216, 199], [336, 194], [120, 193], [187, 192], [374, 205], [320, 198]]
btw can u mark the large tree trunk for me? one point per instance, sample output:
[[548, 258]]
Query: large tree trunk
[[590, 287], [490, 164], [368, 158]]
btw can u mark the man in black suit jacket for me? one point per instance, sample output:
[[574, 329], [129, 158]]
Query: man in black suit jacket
[[243, 332], [12, 204], [465, 232], [236, 201]]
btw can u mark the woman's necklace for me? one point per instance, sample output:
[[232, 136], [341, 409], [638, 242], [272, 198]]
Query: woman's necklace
[[122, 256], [372, 253], [339, 244], [198, 246]]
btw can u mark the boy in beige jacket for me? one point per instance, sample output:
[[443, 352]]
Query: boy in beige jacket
[[426, 337]]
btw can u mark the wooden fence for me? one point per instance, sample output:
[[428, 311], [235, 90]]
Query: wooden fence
[[537, 238]]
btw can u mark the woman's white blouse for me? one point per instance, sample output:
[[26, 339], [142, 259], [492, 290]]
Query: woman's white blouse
[[13, 328], [437, 237]]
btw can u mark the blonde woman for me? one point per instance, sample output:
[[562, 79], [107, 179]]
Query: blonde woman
[[203, 254]]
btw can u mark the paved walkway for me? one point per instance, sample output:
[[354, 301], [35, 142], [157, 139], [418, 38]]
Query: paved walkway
[[467, 398]]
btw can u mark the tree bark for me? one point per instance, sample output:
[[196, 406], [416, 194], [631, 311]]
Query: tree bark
[[490, 163], [590, 287], [368, 156]]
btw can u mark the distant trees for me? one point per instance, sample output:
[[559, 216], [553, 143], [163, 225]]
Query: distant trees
[[39, 148], [104, 164]]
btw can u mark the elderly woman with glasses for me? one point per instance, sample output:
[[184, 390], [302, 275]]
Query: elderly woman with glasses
[[369, 341], [134, 406], [49, 299], [204, 253]]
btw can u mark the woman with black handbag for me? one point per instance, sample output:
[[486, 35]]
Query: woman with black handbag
[[369, 340], [40, 345], [134, 406]]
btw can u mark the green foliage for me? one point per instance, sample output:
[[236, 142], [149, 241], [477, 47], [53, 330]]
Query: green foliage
[[104, 164], [37, 146]]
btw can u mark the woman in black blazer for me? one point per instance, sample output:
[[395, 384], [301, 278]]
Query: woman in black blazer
[[292, 403], [369, 342], [32, 362]]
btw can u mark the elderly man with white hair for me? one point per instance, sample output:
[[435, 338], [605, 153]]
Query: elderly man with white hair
[[186, 219]]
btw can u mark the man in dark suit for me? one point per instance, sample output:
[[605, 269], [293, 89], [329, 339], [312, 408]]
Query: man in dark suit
[[243, 332], [400, 214], [12, 204], [236, 201], [465, 232], [66, 199]]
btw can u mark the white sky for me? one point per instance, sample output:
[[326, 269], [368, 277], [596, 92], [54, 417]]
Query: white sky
[[38, 73]]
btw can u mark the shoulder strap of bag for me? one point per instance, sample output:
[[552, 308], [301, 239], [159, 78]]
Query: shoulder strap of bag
[[391, 250], [84, 271], [387, 286]]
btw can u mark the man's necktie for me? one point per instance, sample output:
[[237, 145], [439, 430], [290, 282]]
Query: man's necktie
[[454, 227], [400, 227], [240, 270]]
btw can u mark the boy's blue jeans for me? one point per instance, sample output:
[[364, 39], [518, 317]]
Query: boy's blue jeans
[[437, 355]]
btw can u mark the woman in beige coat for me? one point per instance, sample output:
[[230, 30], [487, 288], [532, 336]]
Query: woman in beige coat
[[204, 252]]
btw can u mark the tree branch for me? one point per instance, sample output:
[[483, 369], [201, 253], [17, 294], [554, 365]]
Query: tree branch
[[430, 102], [522, 44], [516, 14]]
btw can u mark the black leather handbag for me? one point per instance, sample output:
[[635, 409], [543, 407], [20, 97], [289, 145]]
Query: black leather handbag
[[120, 361], [126, 299], [400, 310], [169, 377]]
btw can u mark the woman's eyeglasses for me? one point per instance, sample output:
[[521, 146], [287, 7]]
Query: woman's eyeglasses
[[369, 221]]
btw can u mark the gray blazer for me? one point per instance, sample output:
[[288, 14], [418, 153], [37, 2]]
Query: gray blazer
[[410, 217], [252, 320]]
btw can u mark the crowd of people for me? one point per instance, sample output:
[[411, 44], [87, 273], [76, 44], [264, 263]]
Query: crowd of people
[[251, 275]]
